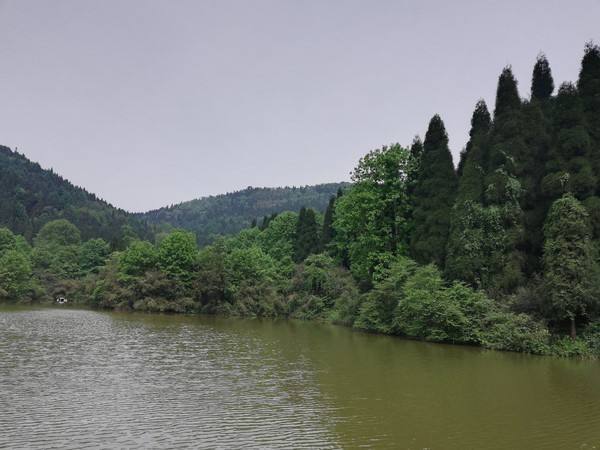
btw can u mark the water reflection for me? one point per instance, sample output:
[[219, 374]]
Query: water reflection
[[74, 378]]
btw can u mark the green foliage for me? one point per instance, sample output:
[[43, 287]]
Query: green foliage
[[93, 255], [371, 218], [433, 197], [15, 275], [567, 260], [542, 83], [507, 94], [328, 232], [30, 197], [59, 232], [307, 235], [177, 255], [227, 214], [434, 312], [515, 333], [138, 258]]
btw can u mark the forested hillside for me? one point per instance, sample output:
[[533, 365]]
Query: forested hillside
[[31, 196], [229, 213], [502, 252]]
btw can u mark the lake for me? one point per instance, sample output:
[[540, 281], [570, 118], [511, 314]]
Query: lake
[[76, 379]]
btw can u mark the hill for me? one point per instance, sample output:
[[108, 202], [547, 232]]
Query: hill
[[231, 212], [31, 196]]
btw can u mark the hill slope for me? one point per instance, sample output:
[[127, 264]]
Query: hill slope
[[229, 213], [31, 196]]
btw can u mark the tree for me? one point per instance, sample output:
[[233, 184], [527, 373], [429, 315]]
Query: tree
[[93, 255], [278, 240], [307, 235], [542, 83], [433, 197], [15, 275], [507, 94], [177, 255], [58, 232], [567, 260], [588, 85], [470, 186], [8, 240], [569, 167], [137, 259], [371, 218], [327, 231]]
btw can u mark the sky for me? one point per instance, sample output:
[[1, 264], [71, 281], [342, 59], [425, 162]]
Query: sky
[[149, 103]]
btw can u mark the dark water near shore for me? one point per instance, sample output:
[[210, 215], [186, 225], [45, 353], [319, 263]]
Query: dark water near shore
[[77, 379]]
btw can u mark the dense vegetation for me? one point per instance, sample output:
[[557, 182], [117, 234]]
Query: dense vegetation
[[501, 253], [226, 214], [31, 196]]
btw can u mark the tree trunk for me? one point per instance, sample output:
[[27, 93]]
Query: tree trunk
[[573, 329]]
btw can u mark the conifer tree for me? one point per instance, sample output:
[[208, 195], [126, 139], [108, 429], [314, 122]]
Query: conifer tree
[[569, 167], [588, 86], [433, 197], [307, 235], [469, 228], [471, 176], [328, 231], [415, 154], [507, 94], [589, 83], [542, 83], [567, 261]]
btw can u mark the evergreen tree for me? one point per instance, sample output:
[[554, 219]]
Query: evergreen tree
[[470, 225], [588, 86], [529, 169], [507, 94], [567, 261], [307, 235], [542, 83], [569, 168], [433, 197], [471, 176], [327, 230]]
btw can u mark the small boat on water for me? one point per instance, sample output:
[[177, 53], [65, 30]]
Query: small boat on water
[[61, 300]]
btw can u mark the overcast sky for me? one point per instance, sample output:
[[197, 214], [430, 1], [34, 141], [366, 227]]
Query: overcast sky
[[148, 103]]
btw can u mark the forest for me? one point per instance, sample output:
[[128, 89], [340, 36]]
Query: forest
[[501, 251], [209, 217]]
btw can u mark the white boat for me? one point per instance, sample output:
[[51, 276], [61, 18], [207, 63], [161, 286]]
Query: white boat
[[61, 300]]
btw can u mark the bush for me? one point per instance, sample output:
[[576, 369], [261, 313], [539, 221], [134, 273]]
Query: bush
[[515, 332], [591, 335], [569, 348]]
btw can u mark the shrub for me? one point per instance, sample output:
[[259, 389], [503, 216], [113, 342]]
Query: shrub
[[515, 332]]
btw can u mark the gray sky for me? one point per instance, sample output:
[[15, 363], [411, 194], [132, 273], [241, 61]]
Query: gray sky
[[148, 103]]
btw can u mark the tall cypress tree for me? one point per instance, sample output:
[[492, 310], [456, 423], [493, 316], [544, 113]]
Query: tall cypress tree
[[507, 93], [469, 230], [542, 83], [328, 231], [569, 167], [307, 235], [588, 86], [433, 197], [471, 175]]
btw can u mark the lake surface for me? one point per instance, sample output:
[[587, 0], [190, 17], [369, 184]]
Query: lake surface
[[77, 379]]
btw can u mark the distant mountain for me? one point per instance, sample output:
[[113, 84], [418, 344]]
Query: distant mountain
[[31, 196], [229, 213]]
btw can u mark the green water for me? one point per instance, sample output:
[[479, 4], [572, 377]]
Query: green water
[[76, 378]]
